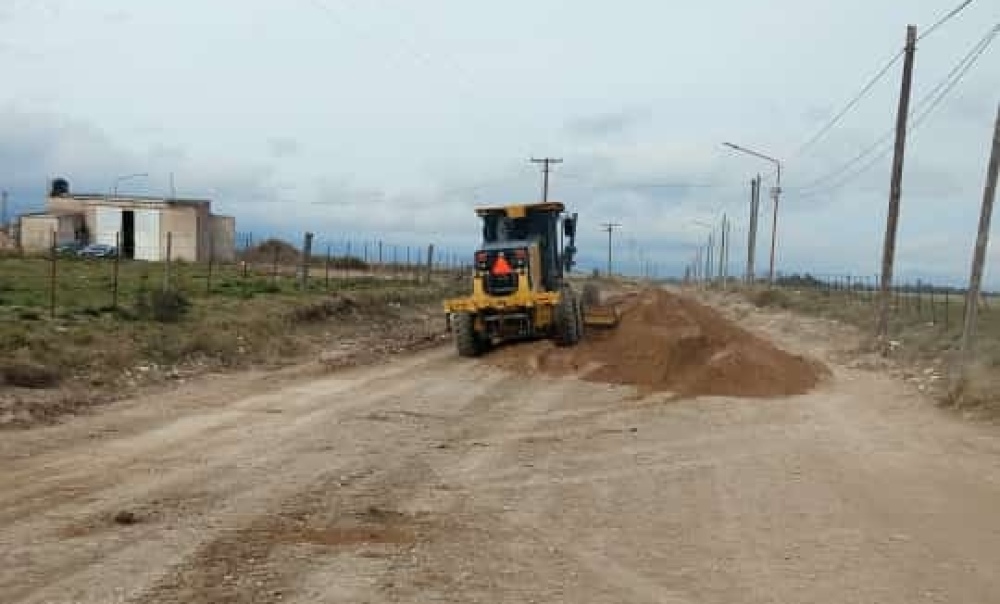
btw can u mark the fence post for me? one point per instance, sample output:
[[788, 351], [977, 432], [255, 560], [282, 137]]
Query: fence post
[[166, 264], [114, 283], [430, 262], [947, 310], [326, 276], [307, 242], [211, 262], [274, 265], [347, 260], [52, 277], [920, 299]]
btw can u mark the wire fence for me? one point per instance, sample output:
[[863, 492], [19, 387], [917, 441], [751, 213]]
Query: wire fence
[[65, 279], [914, 302]]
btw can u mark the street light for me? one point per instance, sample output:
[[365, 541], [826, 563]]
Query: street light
[[775, 193]]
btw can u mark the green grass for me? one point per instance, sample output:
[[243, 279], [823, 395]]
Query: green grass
[[91, 285], [236, 318]]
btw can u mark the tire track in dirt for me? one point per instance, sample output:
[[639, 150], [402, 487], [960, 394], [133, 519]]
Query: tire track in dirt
[[288, 439], [69, 481], [377, 511]]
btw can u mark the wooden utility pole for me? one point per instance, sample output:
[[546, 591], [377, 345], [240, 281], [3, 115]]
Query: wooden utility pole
[[609, 227], [752, 236], [895, 191], [546, 168], [979, 254]]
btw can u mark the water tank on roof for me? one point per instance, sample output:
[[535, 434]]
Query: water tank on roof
[[60, 187]]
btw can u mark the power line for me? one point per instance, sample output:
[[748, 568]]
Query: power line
[[931, 100], [854, 101], [413, 52], [874, 80], [880, 156], [948, 17]]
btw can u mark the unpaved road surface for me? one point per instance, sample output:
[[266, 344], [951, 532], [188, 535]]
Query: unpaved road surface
[[433, 479]]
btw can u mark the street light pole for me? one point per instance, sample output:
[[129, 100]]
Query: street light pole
[[775, 195]]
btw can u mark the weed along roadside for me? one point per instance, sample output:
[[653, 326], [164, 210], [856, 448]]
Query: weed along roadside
[[95, 352]]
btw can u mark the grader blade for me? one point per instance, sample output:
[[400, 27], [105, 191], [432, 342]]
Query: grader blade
[[601, 316]]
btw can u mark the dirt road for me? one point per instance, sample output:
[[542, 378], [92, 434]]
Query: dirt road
[[432, 479]]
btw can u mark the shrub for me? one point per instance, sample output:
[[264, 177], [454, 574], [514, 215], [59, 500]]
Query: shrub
[[29, 375], [770, 297], [169, 306], [164, 306]]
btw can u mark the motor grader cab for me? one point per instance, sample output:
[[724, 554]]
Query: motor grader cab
[[519, 289]]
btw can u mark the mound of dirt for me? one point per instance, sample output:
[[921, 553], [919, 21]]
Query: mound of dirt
[[272, 250], [669, 343]]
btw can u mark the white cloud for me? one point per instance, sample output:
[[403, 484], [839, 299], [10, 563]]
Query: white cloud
[[381, 117]]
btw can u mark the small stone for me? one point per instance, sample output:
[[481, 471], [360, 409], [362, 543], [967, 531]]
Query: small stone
[[125, 517]]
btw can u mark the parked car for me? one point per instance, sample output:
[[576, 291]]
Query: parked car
[[98, 250], [69, 249]]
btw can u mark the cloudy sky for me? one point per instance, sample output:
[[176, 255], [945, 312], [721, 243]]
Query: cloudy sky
[[392, 119]]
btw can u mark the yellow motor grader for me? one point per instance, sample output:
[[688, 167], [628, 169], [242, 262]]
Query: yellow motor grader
[[519, 285]]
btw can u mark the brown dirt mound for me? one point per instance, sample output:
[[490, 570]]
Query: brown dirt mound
[[669, 343], [272, 250]]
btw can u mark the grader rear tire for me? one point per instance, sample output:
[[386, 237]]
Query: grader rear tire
[[466, 340], [568, 319]]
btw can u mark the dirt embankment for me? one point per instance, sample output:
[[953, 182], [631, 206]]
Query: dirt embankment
[[669, 343]]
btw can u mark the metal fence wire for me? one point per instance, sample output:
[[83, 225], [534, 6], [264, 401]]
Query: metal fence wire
[[64, 280]]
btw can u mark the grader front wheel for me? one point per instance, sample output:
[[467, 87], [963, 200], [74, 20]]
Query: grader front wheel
[[569, 320]]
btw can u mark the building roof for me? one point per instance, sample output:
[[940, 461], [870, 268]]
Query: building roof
[[134, 198]]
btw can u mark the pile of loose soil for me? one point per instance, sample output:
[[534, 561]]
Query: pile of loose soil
[[272, 250], [669, 343]]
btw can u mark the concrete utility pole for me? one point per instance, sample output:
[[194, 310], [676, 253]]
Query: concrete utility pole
[[722, 249], [895, 192], [982, 241], [752, 236], [775, 195], [728, 232], [609, 227], [546, 168], [709, 264]]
